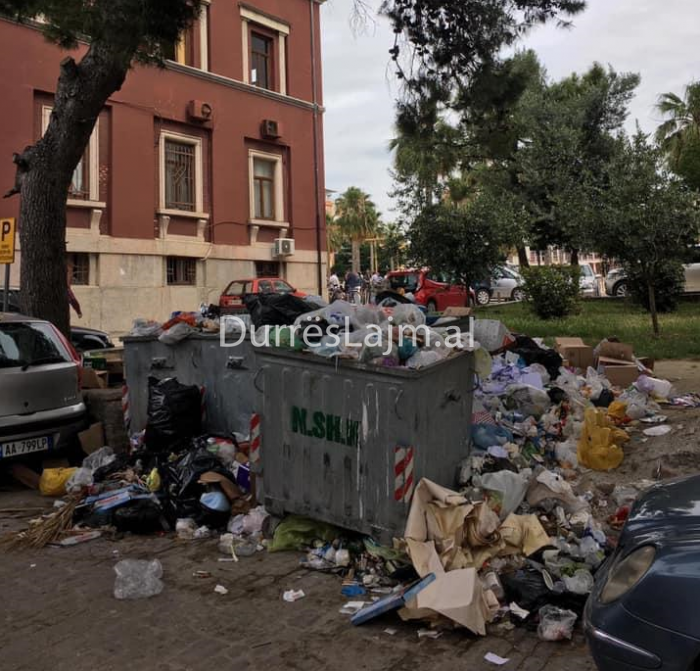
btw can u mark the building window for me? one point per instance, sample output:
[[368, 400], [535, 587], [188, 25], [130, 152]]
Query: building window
[[264, 51], [267, 269], [261, 71], [181, 271], [182, 174], [79, 268], [266, 187], [85, 185]]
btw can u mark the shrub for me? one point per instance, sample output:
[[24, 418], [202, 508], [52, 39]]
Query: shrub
[[552, 291], [669, 285]]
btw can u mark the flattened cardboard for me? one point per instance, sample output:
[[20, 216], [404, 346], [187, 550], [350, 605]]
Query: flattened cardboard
[[93, 379], [92, 439], [579, 357], [561, 344], [621, 376]]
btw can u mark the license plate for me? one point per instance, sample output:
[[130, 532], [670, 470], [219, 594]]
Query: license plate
[[27, 446]]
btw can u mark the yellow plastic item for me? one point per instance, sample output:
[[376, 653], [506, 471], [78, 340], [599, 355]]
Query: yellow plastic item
[[599, 446], [617, 410], [53, 481], [153, 480]]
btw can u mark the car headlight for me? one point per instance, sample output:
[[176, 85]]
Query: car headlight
[[626, 574]]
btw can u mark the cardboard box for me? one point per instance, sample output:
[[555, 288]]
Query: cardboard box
[[621, 375], [575, 352], [93, 379], [615, 351], [92, 439]]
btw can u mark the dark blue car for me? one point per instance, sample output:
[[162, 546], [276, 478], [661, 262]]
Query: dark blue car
[[644, 612]]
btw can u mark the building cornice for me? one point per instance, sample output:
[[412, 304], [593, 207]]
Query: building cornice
[[241, 86]]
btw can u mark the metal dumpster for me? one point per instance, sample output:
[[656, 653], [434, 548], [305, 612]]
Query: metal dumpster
[[346, 443], [226, 373]]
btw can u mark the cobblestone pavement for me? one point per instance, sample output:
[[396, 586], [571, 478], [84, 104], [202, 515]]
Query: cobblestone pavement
[[58, 613]]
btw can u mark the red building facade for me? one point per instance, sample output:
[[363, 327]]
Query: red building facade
[[193, 171]]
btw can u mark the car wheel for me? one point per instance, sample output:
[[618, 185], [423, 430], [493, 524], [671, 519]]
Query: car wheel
[[620, 290], [518, 294], [483, 297], [432, 306]]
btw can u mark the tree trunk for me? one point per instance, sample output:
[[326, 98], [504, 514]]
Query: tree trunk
[[574, 257], [45, 170], [356, 261], [523, 259], [652, 309]]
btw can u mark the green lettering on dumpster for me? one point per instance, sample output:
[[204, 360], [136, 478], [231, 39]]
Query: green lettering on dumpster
[[331, 428]]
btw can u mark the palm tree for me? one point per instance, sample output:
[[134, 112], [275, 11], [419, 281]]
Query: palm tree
[[681, 129], [357, 218]]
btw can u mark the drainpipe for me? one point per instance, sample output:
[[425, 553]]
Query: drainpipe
[[317, 178]]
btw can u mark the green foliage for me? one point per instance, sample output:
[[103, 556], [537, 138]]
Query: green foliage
[[669, 284], [356, 214], [462, 240], [138, 29], [679, 134], [552, 292]]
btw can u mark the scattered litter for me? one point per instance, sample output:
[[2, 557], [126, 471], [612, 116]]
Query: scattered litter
[[655, 431], [429, 633], [518, 611], [352, 607], [495, 659], [291, 595], [138, 579], [556, 624], [391, 631], [220, 589], [656, 419]]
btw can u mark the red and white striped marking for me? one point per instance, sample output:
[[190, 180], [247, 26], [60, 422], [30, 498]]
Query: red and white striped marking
[[255, 439], [126, 411], [403, 473]]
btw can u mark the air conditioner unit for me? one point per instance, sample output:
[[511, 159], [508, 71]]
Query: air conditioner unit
[[270, 129], [283, 247], [199, 110]]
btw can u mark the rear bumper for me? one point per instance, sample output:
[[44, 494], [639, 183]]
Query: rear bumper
[[62, 425]]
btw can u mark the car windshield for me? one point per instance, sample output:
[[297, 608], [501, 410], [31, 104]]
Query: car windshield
[[29, 344], [407, 282], [239, 289], [586, 271]]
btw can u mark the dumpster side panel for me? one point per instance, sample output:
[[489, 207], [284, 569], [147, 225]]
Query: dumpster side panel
[[348, 445], [225, 373]]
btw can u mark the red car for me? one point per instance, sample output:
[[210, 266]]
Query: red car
[[231, 300], [435, 294]]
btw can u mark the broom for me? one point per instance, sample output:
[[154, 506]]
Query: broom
[[44, 530]]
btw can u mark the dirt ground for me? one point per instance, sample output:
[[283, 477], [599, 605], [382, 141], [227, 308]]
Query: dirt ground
[[59, 611]]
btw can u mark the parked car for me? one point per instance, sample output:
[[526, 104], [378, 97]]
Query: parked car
[[642, 611], [483, 292], [430, 289], [82, 338], [589, 281], [616, 279], [507, 284], [41, 407], [231, 299]]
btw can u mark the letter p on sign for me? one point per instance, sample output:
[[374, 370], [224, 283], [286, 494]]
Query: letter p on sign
[[7, 241]]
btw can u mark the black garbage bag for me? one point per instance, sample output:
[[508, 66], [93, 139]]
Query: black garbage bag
[[174, 414], [142, 516], [275, 309], [531, 353]]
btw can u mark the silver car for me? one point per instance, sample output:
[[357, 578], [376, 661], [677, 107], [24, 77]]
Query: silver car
[[41, 407]]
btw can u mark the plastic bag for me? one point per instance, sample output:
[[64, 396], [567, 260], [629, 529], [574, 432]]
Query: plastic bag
[[599, 446], [53, 481], [79, 480], [138, 579], [174, 413], [297, 533], [254, 520], [566, 453], [488, 435], [580, 583], [102, 457], [176, 333], [506, 490], [408, 314], [528, 400], [661, 389], [423, 359], [145, 328], [556, 624], [276, 309]]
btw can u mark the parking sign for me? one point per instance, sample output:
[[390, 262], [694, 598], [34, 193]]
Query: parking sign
[[7, 241]]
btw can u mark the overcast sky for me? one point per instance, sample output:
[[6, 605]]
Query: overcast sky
[[656, 38]]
